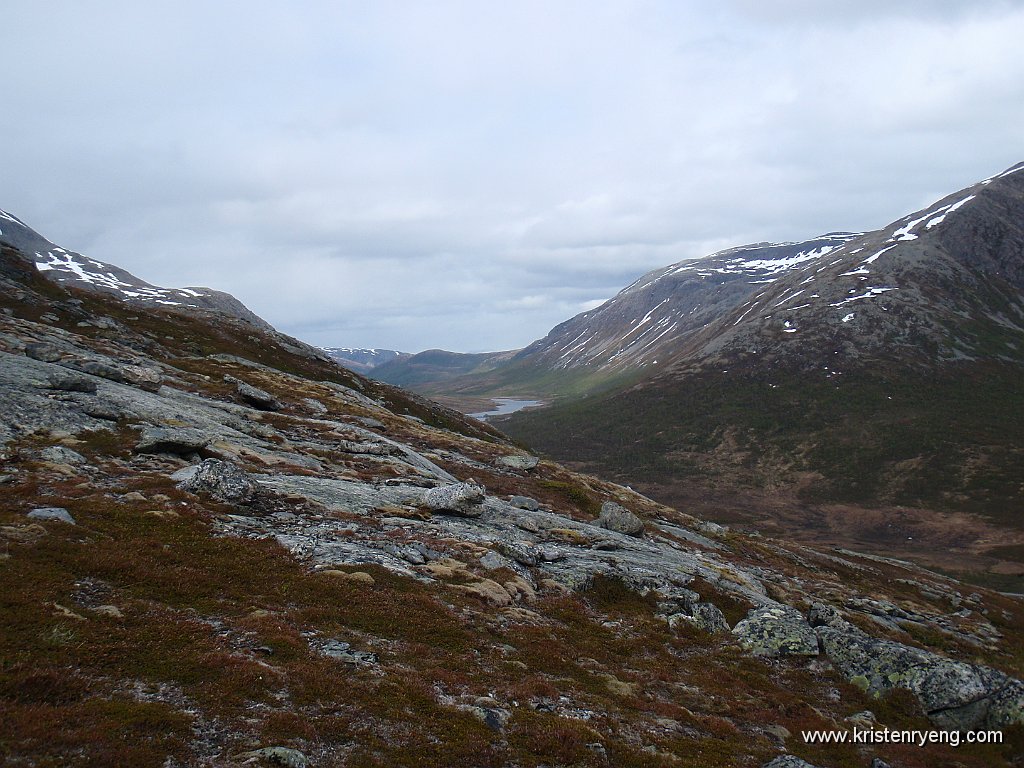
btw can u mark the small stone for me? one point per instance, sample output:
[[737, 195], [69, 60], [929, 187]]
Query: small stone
[[133, 496], [58, 454], [342, 651], [52, 513], [109, 610], [780, 732]]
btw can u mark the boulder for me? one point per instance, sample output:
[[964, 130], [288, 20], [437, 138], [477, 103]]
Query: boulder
[[222, 481], [521, 462], [615, 517], [776, 630], [177, 440], [254, 396], [525, 502], [52, 513], [463, 499]]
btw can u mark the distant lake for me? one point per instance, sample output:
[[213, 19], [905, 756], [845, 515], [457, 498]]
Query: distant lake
[[505, 406]]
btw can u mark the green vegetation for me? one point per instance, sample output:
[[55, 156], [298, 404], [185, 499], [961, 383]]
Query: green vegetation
[[951, 441]]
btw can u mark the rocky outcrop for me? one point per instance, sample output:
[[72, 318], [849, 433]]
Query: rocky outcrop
[[954, 694]]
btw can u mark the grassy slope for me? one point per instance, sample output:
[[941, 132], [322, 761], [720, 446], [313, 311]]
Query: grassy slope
[[955, 441]]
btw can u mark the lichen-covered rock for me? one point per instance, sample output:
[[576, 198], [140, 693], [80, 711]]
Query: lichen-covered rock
[[954, 694], [463, 499], [704, 616], [824, 615], [776, 630], [615, 517], [285, 757], [222, 481], [521, 462], [788, 761]]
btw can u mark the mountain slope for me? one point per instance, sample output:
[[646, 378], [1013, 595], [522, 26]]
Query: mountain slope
[[220, 548], [75, 270], [887, 371]]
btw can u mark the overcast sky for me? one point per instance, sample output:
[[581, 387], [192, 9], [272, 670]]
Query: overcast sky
[[466, 175]]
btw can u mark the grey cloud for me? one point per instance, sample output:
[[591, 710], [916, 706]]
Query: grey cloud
[[448, 174]]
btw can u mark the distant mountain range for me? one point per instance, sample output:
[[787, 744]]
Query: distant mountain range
[[364, 361]]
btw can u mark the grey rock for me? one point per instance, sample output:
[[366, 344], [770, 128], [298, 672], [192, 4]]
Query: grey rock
[[178, 440], [521, 462], [52, 513], [522, 553], [58, 454], [788, 761], [492, 561], [615, 517], [254, 396], [279, 756], [879, 763], [776, 630], [222, 481], [314, 406], [68, 381], [709, 617], [1006, 706], [336, 649], [824, 615], [525, 502], [954, 694], [44, 352], [464, 499]]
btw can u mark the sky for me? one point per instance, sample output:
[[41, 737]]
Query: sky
[[466, 175]]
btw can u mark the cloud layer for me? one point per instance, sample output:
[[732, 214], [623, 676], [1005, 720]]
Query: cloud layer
[[466, 175]]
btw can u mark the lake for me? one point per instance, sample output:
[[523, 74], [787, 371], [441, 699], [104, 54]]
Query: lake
[[505, 406]]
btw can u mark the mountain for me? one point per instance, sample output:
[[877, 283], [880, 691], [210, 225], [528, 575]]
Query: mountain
[[77, 271], [363, 360], [882, 369], [219, 547], [429, 370]]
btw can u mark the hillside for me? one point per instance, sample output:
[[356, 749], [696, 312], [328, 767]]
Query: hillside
[[221, 548], [363, 360]]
